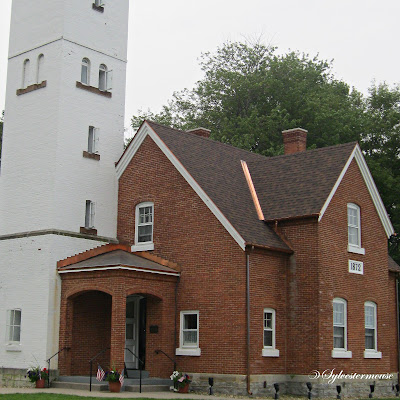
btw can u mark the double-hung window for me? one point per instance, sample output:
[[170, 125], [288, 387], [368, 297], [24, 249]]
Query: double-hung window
[[13, 326], [269, 349], [371, 339], [90, 214], [144, 223], [340, 329], [189, 334], [354, 229]]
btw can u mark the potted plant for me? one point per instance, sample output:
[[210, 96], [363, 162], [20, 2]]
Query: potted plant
[[113, 377], [181, 381], [38, 376]]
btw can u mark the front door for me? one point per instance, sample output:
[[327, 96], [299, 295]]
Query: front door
[[131, 332]]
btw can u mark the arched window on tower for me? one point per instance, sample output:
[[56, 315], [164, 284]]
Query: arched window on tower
[[25, 73], [39, 71], [105, 78], [85, 71]]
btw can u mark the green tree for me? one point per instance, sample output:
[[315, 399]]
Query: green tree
[[381, 146], [249, 94]]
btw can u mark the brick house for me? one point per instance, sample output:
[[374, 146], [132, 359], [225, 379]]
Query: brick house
[[247, 269]]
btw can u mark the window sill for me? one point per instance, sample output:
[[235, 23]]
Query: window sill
[[342, 354], [142, 247], [98, 8], [13, 347], [88, 231], [372, 354], [31, 88], [93, 156], [93, 89], [270, 352], [196, 352], [357, 250]]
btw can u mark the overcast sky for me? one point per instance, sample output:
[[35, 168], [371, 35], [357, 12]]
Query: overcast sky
[[166, 38]]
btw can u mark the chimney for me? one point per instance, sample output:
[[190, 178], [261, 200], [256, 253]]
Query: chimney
[[200, 132], [294, 140]]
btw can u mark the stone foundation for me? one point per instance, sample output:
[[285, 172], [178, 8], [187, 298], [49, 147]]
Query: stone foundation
[[293, 385], [15, 378]]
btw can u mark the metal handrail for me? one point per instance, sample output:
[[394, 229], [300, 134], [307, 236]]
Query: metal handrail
[[91, 365], [48, 363], [165, 354], [141, 363]]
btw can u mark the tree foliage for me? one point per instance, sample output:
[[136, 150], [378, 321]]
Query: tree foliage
[[249, 94]]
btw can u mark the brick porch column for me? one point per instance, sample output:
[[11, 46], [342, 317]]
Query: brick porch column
[[118, 319]]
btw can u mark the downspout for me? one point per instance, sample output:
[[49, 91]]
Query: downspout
[[398, 326], [176, 314], [248, 320]]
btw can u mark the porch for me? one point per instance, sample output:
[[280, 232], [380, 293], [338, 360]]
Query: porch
[[119, 307]]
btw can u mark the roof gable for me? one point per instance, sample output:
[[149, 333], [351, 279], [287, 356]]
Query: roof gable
[[214, 171], [372, 189]]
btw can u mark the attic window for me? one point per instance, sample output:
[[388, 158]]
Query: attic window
[[354, 229]]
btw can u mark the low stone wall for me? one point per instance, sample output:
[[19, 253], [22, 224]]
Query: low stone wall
[[14, 378], [293, 385]]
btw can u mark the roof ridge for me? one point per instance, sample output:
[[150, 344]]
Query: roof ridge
[[217, 142], [248, 151]]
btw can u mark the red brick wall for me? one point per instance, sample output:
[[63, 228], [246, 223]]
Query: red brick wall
[[302, 296], [268, 289], [336, 281], [91, 331], [213, 265]]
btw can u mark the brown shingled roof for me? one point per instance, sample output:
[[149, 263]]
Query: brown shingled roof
[[217, 169], [287, 186], [393, 266], [298, 184]]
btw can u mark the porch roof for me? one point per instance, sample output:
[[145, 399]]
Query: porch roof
[[118, 259]]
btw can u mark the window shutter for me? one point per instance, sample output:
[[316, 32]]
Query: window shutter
[[92, 213], [95, 140], [109, 80]]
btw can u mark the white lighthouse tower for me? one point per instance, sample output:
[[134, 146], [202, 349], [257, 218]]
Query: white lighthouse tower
[[63, 132]]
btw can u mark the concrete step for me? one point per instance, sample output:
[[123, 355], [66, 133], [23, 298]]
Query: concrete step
[[99, 387], [147, 388], [130, 385], [135, 373]]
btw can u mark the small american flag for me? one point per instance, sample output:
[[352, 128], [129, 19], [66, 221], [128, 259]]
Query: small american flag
[[100, 373], [121, 377]]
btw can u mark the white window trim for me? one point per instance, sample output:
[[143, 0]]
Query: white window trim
[[341, 352], [352, 248], [90, 214], [93, 144], [270, 351], [143, 246], [85, 61], [372, 353], [188, 350], [13, 345]]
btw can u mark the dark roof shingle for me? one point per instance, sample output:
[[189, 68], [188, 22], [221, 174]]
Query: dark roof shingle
[[287, 186]]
